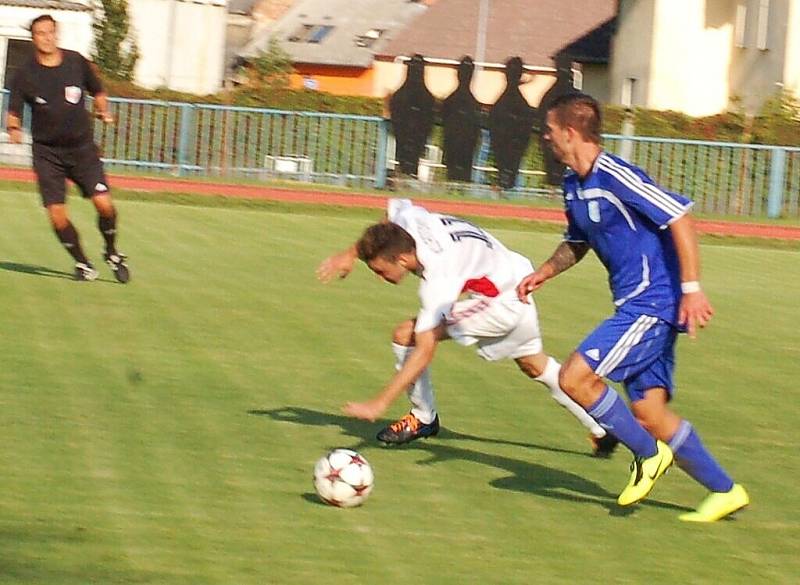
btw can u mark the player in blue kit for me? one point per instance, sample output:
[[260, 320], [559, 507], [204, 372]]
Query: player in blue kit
[[645, 238]]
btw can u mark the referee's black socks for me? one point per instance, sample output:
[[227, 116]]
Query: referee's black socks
[[70, 240], [108, 227]]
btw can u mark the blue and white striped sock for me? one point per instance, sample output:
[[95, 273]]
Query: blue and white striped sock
[[611, 412], [692, 456]]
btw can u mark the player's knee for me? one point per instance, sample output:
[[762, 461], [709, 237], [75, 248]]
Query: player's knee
[[107, 211], [570, 379], [58, 218], [528, 369], [580, 383], [533, 367], [404, 333]]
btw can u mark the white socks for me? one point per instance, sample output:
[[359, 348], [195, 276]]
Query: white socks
[[550, 379], [421, 393]]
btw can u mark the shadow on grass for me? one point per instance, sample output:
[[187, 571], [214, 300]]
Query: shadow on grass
[[36, 270], [44, 271], [525, 476]]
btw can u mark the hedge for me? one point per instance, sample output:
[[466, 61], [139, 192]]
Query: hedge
[[776, 123]]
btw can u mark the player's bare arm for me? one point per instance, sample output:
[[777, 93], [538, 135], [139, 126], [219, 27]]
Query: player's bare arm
[[695, 308], [566, 255], [337, 266], [14, 128], [420, 358]]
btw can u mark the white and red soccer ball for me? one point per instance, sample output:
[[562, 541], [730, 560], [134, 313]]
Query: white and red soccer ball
[[343, 478]]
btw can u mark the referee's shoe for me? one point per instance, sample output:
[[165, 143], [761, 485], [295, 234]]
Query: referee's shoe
[[85, 271], [118, 266]]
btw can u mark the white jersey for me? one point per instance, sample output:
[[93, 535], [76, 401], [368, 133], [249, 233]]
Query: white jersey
[[457, 257]]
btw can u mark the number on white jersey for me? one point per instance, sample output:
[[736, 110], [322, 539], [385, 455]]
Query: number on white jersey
[[464, 229]]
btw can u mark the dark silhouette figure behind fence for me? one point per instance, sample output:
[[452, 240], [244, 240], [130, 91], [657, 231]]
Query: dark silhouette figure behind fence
[[412, 112], [510, 125], [565, 83], [461, 120]]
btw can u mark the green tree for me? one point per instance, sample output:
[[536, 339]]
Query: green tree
[[115, 49], [271, 68]]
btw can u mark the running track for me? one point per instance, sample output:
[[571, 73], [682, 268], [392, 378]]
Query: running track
[[484, 209]]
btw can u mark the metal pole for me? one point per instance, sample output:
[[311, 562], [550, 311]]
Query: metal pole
[[777, 182], [183, 144], [480, 41], [381, 157]]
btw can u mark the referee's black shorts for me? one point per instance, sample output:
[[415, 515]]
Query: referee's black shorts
[[81, 164]]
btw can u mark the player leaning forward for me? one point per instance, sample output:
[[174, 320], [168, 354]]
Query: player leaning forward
[[644, 237], [54, 84], [468, 293]]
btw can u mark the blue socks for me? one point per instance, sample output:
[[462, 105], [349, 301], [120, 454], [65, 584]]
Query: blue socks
[[611, 412], [692, 456]]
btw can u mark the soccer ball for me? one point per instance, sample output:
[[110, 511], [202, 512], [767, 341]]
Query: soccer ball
[[343, 478]]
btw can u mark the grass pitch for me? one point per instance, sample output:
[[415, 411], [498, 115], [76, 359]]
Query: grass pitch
[[164, 432]]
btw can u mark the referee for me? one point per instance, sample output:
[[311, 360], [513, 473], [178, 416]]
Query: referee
[[54, 84]]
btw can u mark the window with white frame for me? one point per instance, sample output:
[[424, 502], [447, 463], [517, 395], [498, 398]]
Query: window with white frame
[[740, 26], [763, 25], [18, 51], [627, 97]]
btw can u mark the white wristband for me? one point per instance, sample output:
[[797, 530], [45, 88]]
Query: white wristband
[[690, 286]]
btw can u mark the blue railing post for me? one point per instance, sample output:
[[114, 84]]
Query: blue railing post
[[183, 143], [777, 183], [481, 158], [381, 155]]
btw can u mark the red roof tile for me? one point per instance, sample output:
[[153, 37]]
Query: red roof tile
[[532, 29]]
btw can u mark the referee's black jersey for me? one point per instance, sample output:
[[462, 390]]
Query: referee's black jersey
[[56, 96]]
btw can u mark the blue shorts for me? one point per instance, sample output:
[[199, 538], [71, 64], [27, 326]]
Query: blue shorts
[[634, 349]]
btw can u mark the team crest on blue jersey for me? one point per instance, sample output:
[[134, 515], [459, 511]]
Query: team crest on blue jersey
[[594, 211]]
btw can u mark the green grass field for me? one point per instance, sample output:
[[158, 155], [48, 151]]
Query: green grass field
[[164, 432]]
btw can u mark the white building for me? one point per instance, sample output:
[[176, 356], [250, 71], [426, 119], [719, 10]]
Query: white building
[[181, 44], [74, 26], [701, 56]]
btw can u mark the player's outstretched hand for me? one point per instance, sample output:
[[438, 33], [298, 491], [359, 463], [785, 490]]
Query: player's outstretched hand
[[337, 266], [105, 117], [695, 309], [15, 135], [529, 284], [371, 410]]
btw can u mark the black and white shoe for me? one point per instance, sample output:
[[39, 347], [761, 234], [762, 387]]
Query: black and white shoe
[[407, 429], [85, 271], [603, 447], [118, 266]]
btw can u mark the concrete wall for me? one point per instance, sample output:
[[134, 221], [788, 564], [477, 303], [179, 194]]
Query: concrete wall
[[441, 80], [691, 56], [756, 74], [632, 48], [181, 44], [791, 69], [596, 82], [685, 54]]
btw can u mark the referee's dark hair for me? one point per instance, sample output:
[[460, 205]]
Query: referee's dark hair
[[42, 18], [579, 111]]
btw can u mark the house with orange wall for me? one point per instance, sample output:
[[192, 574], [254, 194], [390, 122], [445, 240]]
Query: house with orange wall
[[333, 43]]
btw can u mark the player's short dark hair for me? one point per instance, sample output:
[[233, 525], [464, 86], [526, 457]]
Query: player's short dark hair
[[42, 18], [384, 240], [579, 111]]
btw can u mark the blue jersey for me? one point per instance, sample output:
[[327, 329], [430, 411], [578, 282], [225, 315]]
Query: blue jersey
[[624, 216]]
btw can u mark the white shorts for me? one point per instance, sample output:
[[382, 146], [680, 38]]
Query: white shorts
[[502, 327]]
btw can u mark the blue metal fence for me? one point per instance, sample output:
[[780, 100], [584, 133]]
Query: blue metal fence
[[721, 177], [187, 139]]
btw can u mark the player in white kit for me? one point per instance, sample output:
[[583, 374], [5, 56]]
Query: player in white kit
[[467, 293]]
